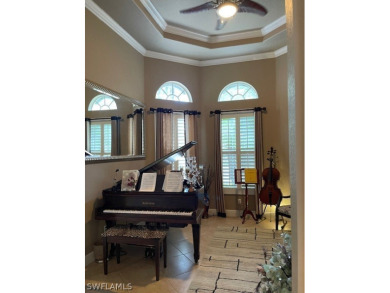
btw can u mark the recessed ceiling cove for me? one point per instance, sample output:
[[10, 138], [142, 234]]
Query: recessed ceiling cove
[[162, 29]]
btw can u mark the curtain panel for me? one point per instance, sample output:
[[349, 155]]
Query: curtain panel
[[138, 132], [219, 196], [115, 136], [135, 132], [259, 156], [164, 126], [191, 131]]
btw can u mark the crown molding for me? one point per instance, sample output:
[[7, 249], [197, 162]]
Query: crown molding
[[274, 25], [220, 61], [154, 13], [172, 58], [112, 24], [105, 18], [237, 59], [281, 51]]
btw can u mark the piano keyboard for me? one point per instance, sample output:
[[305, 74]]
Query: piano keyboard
[[143, 212]]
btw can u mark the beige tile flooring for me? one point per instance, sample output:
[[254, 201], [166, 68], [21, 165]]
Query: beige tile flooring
[[181, 268]]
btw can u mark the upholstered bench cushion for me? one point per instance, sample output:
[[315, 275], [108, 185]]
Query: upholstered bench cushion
[[134, 232], [285, 210]]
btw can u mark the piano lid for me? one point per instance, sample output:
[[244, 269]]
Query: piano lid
[[168, 159]]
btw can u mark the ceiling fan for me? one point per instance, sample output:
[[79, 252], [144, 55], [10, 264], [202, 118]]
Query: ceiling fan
[[226, 9]]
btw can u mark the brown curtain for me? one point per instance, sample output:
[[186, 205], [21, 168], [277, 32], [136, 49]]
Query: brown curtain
[[138, 131], [219, 196], [135, 132], [164, 125], [259, 153], [191, 131], [115, 136]]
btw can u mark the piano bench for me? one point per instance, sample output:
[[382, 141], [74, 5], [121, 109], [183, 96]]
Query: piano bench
[[135, 235]]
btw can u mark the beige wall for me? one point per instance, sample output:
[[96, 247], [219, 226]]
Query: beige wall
[[113, 63], [110, 61]]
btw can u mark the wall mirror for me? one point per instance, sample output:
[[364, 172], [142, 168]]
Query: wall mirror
[[114, 125]]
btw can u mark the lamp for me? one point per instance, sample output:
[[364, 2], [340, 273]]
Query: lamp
[[227, 9]]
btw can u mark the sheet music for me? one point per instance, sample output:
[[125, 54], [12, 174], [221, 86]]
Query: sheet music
[[173, 182], [148, 182], [250, 175]]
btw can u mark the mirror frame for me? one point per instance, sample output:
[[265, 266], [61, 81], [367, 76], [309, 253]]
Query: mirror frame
[[101, 89]]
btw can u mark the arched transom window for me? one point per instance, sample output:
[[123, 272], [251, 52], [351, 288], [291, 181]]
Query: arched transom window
[[236, 91], [174, 91], [101, 103]]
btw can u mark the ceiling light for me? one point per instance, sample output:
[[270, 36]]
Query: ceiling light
[[227, 9]]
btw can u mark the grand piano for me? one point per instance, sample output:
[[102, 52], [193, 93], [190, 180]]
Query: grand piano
[[176, 209]]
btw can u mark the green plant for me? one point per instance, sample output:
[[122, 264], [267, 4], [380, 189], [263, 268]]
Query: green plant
[[276, 276]]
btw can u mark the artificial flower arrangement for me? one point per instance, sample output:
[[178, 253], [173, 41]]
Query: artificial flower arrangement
[[276, 276], [192, 174]]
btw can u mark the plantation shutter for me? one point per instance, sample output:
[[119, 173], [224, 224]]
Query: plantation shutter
[[96, 139], [178, 139], [100, 141], [237, 145], [228, 150]]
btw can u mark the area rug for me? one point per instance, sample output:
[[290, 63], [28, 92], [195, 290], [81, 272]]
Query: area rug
[[231, 260]]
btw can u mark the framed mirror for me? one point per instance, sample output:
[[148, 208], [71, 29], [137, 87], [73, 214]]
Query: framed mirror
[[114, 125]]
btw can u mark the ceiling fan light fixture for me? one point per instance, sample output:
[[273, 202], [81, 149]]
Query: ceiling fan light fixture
[[227, 10]]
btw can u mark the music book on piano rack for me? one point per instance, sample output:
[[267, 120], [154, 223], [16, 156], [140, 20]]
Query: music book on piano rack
[[148, 182], [173, 182]]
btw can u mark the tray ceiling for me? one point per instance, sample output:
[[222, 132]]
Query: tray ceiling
[[157, 29]]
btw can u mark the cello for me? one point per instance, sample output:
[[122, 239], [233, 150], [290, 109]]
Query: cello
[[270, 193]]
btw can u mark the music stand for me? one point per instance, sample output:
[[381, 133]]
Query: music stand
[[251, 177]]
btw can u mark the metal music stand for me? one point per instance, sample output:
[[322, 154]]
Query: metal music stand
[[251, 177]]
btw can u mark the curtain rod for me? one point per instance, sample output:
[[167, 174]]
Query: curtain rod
[[137, 111], [239, 110], [104, 118], [191, 112]]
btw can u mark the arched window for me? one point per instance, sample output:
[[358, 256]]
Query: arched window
[[174, 91], [102, 103], [237, 90]]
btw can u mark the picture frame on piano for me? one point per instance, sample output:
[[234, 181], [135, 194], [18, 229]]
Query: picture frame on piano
[[129, 180]]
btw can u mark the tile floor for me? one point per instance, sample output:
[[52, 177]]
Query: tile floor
[[180, 270]]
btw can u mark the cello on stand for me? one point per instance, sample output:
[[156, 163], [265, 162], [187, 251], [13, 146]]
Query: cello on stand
[[270, 194]]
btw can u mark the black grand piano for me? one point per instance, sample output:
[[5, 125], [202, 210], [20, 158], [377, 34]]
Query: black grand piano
[[177, 209]]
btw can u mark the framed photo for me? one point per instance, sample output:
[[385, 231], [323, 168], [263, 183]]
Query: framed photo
[[129, 180]]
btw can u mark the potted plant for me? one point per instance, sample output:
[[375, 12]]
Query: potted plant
[[276, 276]]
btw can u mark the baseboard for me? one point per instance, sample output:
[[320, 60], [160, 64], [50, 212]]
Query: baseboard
[[89, 258], [229, 213]]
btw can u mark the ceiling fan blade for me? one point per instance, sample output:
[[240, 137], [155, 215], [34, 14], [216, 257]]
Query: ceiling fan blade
[[203, 7], [252, 7], [220, 24]]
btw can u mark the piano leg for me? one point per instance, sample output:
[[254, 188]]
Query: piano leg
[[110, 224], [196, 238]]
